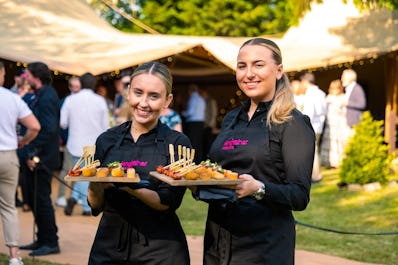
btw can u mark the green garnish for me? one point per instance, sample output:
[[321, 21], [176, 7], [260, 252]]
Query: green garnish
[[114, 164]]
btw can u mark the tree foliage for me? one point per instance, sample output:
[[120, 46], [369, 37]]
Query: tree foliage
[[366, 157], [113, 17], [220, 17], [209, 17], [216, 17], [375, 4]]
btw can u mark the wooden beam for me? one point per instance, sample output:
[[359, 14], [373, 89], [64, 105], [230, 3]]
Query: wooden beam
[[391, 111]]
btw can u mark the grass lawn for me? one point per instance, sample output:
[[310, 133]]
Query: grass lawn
[[192, 214], [354, 211], [343, 210]]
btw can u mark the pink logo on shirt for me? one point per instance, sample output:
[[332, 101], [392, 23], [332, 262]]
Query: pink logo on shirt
[[134, 163], [230, 145]]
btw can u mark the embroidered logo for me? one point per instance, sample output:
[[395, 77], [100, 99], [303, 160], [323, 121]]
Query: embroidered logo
[[133, 163], [230, 145]]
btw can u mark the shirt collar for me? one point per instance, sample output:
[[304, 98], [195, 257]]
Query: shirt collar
[[261, 106]]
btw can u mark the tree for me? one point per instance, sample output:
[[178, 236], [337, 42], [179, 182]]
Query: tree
[[247, 18], [375, 4], [115, 18], [220, 17], [209, 18]]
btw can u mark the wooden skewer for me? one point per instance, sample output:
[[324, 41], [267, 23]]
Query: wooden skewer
[[171, 151], [184, 154], [188, 156], [78, 163], [175, 165], [192, 154], [95, 163], [179, 162], [179, 152], [87, 157], [188, 169]]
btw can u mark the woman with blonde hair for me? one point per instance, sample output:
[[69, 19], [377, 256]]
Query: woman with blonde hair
[[336, 133], [139, 224], [271, 146]]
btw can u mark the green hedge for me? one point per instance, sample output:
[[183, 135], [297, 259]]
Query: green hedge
[[366, 157]]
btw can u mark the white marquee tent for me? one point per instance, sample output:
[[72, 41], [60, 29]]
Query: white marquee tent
[[71, 38]]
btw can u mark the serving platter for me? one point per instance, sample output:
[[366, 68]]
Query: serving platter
[[103, 179], [196, 182]]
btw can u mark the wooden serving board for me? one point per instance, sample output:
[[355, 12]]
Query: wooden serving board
[[197, 182], [102, 179]]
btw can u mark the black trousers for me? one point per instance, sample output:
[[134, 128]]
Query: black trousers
[[39, 191]]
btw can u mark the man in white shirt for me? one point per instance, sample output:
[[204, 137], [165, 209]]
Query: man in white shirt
[[13, 110], [314, 106], [74, 86], [85, 114]]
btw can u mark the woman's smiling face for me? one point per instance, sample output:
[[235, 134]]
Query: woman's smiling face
[[147, 97], [257, 72]]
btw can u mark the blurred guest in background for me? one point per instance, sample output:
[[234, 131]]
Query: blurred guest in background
[[336, 131], [314, 106], [211, 112], [85, 114], [13, 110], [74, 86], [19, 80], [355, 96], [171, 118], [102, 90], [41, 158], [194, 122], [121, 108], [298, 93]]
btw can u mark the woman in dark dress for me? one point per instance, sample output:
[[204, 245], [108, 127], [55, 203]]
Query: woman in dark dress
[[271, 145], [139, 224]]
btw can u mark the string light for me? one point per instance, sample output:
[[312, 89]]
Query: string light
[[362, 61]]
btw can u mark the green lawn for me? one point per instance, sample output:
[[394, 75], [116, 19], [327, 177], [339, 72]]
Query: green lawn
[[192, 215], [354, 211], [343, 210]]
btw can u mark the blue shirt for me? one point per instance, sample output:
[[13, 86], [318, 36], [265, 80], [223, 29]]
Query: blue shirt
[[196, 108]]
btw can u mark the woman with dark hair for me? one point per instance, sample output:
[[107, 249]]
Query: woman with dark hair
[[139, 224], [271, 145]]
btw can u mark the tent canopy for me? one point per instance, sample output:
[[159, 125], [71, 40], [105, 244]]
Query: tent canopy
[[71, 38]]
